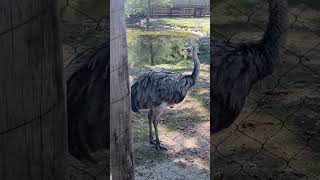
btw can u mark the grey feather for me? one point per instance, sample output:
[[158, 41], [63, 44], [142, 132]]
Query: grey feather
[[236, 67], [156, 89], [87, 86]]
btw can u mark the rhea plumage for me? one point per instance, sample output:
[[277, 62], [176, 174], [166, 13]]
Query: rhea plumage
[[236, 67], [157, 89], [87, 83]]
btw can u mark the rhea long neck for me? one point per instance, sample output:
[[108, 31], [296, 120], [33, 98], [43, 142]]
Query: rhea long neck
[[196, 67], [275, 36]]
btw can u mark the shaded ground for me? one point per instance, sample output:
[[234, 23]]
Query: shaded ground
[[184, 130], [277, 135]]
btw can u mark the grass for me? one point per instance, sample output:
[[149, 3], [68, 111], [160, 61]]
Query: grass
[[202, 24], [173, 33], [132, 34], [174, 66]]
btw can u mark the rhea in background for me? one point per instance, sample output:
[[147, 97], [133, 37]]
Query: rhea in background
[[157, 89], [236, 67]]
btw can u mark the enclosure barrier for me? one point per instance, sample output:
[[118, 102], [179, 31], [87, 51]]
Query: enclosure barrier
[[83, 34], [276, 135]]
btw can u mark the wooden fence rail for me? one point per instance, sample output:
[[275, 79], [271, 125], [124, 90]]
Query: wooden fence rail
[[180, 11]]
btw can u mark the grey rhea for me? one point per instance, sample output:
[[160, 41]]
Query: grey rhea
[[87, 80], [236, 67], [157, 89]]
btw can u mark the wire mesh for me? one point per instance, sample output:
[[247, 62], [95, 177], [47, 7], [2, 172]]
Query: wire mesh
[[183, 128], [84, 29], [277, 134]]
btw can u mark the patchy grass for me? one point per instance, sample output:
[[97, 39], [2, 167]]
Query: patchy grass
[[202, 24], [132, 33]]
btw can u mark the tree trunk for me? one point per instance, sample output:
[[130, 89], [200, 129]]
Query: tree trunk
[[151, 51], [120, 109], [148, 14], [33, 137]]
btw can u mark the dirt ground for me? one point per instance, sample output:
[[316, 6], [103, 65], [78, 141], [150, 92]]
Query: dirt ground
[[184, 130], [277, 135]]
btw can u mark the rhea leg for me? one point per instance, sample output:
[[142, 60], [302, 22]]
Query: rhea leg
[[156, 113], [158, 144], [150, 115]]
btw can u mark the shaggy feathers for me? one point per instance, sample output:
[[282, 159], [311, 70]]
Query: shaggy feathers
[[236, 67], [156, 87]]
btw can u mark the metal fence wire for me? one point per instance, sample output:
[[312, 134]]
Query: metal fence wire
[[84, 30], [277, 134], [184, 128]]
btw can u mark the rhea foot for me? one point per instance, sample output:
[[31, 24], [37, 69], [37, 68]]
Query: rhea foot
[[152, 141], [160, 147], [157, 144]]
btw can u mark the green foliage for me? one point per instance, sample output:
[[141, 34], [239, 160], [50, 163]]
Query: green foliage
[[202, 24], [206, 29], [133, 7], [166, 47]]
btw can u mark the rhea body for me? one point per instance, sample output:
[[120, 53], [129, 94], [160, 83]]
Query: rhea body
[[236, 67], [157, 89]]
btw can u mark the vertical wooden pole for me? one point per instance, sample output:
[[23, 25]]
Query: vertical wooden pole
[[120, 109], [32, 97]]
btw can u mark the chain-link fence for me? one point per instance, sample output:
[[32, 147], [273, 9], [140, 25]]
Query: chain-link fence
[[84, 26], [277, 134], [184, 128], [84, 29]]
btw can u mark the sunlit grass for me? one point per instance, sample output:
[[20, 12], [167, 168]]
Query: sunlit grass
[[206, 29], [202, 24], [132, 34]]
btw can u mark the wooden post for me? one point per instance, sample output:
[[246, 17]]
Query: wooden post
[[120, 108], [148, 14], [32, 99]]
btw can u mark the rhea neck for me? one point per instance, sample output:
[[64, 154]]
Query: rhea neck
[[275, 36], [196, 66]]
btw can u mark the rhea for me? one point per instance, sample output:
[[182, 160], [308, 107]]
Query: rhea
[[236, 67], [157, 89]]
